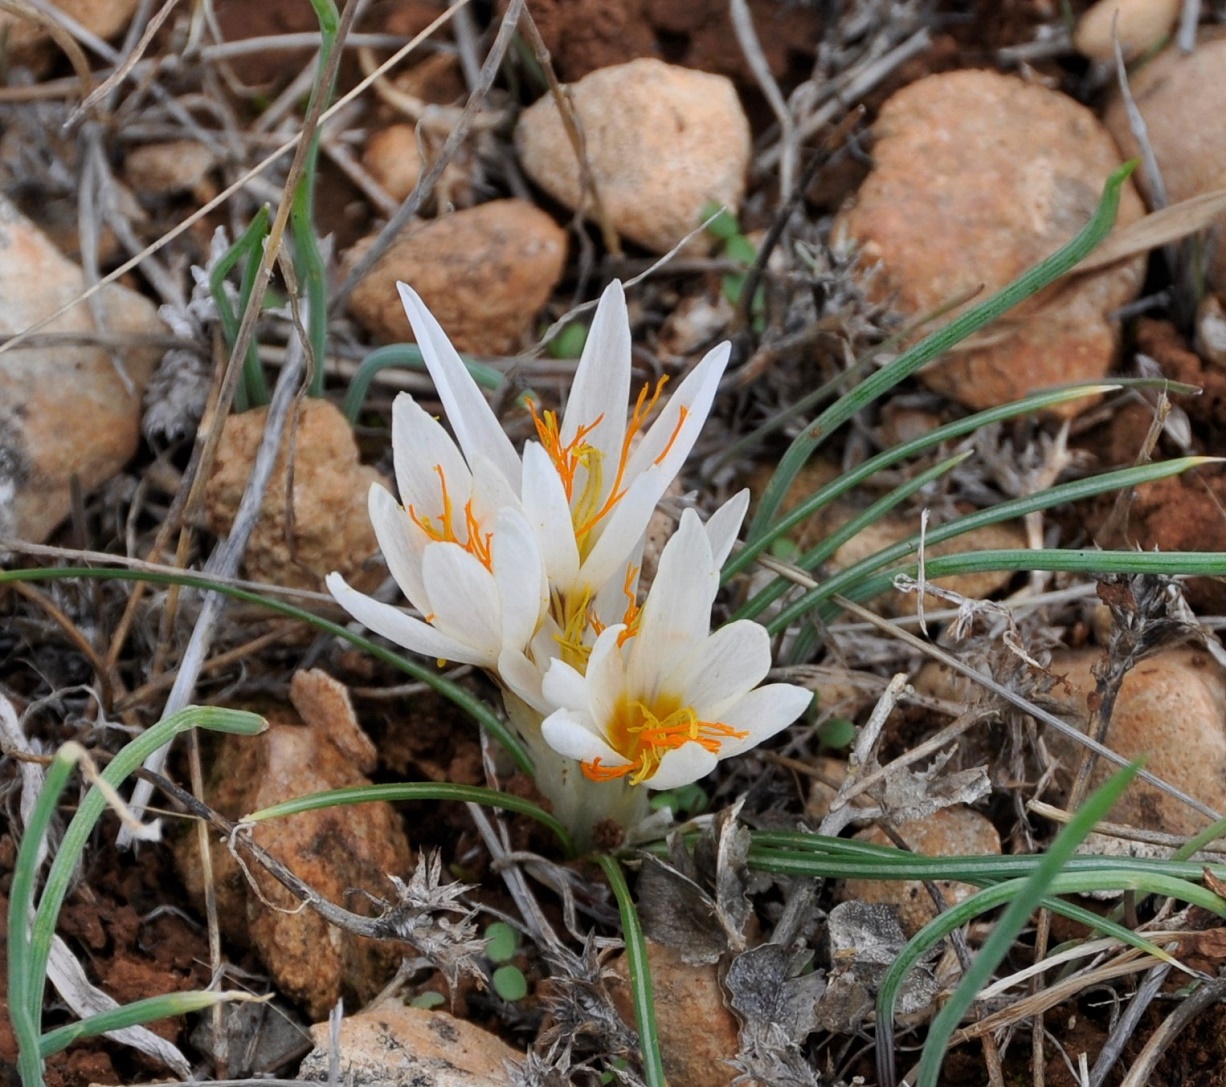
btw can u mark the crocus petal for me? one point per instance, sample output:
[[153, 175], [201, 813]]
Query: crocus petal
[[606, 676], [681, 766], [402, 629], [566, 733], [723, 668], [396, 534], [522, 678], [601, 387], [463, 597], [476, 426], [762, 713], [421, 449], [548, 511], [724, 525], [491, 492], [676, 616], [520, 578], [565, 688], [670, 440]]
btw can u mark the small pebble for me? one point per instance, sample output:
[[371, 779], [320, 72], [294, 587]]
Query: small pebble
[[331, 523], [484, 273], [398, 1046], [1172, 709], [978, 177], [1139, 24], [1183, 102], [69, 411], [662, 143], [949, 832], [340, 852], [163, 169]]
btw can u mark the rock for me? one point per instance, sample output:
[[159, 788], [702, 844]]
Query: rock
[[344, 853], [1139, 24], [391, 156], [484, 272], [662, 143], [28, 42], [399, 1046], [949, 832], [1003, 173], [68, 410], [684, 996], [164, 169], [1183, 101], [331, 525], [1172, 709]]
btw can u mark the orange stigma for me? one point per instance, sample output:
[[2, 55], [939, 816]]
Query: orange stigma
[[477, 543]]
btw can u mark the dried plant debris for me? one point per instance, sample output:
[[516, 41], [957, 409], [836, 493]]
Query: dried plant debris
[[864, 942], [695, 902], [775, 992]]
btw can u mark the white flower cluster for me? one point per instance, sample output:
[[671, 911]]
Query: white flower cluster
[[528, 567]]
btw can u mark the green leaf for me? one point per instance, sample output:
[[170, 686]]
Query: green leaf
[[509, 983], [501, 942]]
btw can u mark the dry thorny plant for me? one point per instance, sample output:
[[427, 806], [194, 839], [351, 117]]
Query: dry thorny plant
[[817, 322]]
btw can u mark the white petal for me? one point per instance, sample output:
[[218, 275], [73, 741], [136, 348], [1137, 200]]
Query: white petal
[[520, 578], [476, 426], [566, 733], [724, 668], [682, 766], [763, 712], [564, 688], [421, 448], [523, 679], [606, 677], [464, 598], [676, 617], [490, 491], [402, 629], [547, 510], [724, 526], [601, 389], [696, 394], [401, 542]]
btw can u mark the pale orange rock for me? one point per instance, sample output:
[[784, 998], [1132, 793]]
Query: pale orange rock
[[483, 272], [331, 525], [978, 177], [162, 169], [68, 411], [685, 996], [1171, 709], [398, 1046], [29, 42], [949, 832], [1182, 99], [392, 157], [662, 142], [1139, 25], [340, 852]]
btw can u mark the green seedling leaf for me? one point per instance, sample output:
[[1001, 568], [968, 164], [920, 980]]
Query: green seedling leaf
[[739, 247], [684, 802], [509, 983], [501, 942], [724, 224], [428, 1000], [838, 732], [568, 344]]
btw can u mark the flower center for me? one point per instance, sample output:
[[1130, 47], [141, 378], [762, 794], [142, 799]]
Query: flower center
[[643, 734], [476, 543], [575, 616]]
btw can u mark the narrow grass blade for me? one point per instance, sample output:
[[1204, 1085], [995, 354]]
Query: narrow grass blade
[[640, 972], [132, 1015], [846, 581], [29, 945], [930, 347], [252, 391], [416, 790], [1016, 914]]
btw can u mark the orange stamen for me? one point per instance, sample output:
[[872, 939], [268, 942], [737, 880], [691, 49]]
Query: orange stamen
[[645, 734], [477, 544], [631, 616], [642, 409], [566, 458]]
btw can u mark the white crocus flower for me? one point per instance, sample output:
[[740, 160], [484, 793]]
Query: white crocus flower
[[510, 559], [662, 699]]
